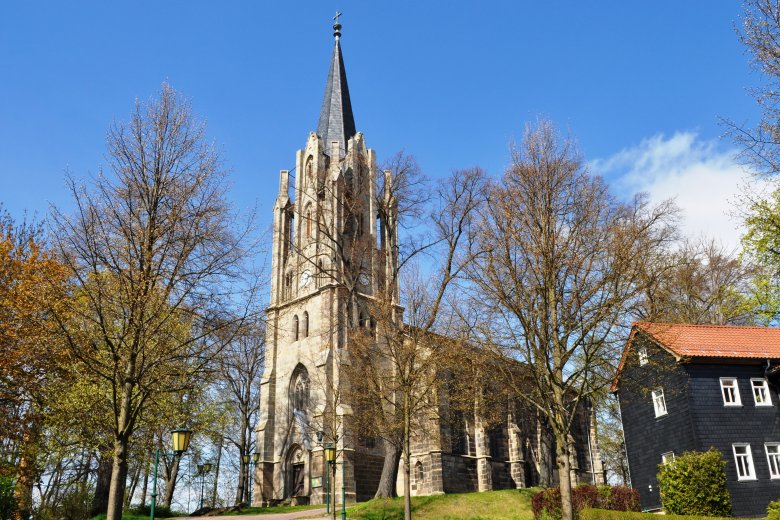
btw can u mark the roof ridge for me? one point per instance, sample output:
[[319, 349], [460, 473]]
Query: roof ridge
[[705, 325]]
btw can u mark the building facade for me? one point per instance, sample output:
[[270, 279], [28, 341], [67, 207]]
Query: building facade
[[695, 387], [332, 252]]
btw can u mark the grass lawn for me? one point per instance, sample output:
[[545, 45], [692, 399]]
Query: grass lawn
[[508, 504]]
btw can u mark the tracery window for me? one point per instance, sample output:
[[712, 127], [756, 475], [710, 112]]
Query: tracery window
[[299, 389]]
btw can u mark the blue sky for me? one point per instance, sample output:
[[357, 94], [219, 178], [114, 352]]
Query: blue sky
[[640, 85]]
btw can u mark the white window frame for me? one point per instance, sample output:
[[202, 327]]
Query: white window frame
[[667, 458], [773, 458], [732, 384], [747, 462], [643, 357], [761, 385], [659, 402]]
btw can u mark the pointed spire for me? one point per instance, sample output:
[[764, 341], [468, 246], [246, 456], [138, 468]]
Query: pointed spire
[[336, 120]]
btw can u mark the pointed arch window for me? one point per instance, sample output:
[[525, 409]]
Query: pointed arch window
[[309, 166], [295, 328], [305, 324], [320, 273], [299, 389], [308, 221]]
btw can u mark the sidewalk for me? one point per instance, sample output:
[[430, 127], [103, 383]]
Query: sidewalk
[[295, 515]]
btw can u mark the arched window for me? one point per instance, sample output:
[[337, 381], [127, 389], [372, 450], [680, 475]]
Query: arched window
[[288, 285], [299, 389], [309, 166], [308, 221], [295, 327], [305, 324], [320, 273], [419, 473]]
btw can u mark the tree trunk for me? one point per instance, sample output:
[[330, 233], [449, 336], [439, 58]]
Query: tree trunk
[[146, 483], [216, 473], [133, 483], [241, 481], [564, 476], [389, 476], [407, 459], [102, 486], [170, 482], [116, 490], [23, 490]]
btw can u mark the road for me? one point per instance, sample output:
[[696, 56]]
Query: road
[[295, 515]]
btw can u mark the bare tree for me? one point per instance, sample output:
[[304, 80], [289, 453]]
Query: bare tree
[[560, 261], [397, 358], [699, 282], [154, 250], [760, 33], [240, 369]]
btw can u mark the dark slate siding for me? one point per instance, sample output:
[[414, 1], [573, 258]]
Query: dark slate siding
[[719, 426], [648, 436]]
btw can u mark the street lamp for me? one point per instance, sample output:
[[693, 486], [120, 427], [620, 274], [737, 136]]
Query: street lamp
[[249, 461], [180, 439], [202, 470], [330, 458]]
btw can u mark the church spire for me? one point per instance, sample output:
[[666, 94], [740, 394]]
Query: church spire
[[336, 120]]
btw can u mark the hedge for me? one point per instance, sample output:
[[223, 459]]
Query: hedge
[[773, 510], [546, 504], [603, 514], [695, 484]]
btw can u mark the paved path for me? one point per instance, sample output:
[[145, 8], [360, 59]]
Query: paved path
[[308, 513]]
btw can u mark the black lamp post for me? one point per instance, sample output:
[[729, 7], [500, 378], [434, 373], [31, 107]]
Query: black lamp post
[[249, 461], [180, 438], [330, 457], [203, 469]]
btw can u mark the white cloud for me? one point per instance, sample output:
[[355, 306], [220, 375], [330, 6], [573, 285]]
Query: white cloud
[[701, 176]]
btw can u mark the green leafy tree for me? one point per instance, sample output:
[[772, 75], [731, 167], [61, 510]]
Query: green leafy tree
[[695, 484], [154, 248]]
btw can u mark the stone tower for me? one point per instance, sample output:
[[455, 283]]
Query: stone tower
[[331, 252]]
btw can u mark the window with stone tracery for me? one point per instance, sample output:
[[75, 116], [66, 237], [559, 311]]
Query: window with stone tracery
[[299, 390]]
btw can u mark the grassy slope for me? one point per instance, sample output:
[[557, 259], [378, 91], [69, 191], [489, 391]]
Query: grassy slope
[[509, 504]]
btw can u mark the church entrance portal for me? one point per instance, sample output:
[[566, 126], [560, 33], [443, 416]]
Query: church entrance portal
[[297, 480], [296, 472]]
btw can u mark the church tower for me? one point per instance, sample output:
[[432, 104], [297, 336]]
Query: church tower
[[331, 253]]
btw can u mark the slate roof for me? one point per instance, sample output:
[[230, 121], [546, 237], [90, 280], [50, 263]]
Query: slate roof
[[685, 341], [336, 120]]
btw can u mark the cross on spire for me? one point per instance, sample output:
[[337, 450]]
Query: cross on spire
[[337, 25]]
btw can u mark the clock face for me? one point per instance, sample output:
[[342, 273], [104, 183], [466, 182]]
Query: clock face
[[363, 279], [305, 278]]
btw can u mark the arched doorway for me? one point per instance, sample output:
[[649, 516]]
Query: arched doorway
[[295, 479]]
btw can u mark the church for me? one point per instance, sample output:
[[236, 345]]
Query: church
[[332, 252]]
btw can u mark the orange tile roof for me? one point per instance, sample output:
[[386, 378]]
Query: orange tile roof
[[727, 341], [686, 340]]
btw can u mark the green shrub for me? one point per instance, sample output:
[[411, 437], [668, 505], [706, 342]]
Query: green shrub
[[773, 510], [695, 484], [7, 500], [603, 514]]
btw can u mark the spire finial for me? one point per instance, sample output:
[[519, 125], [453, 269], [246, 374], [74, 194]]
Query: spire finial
[[337, 25]]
